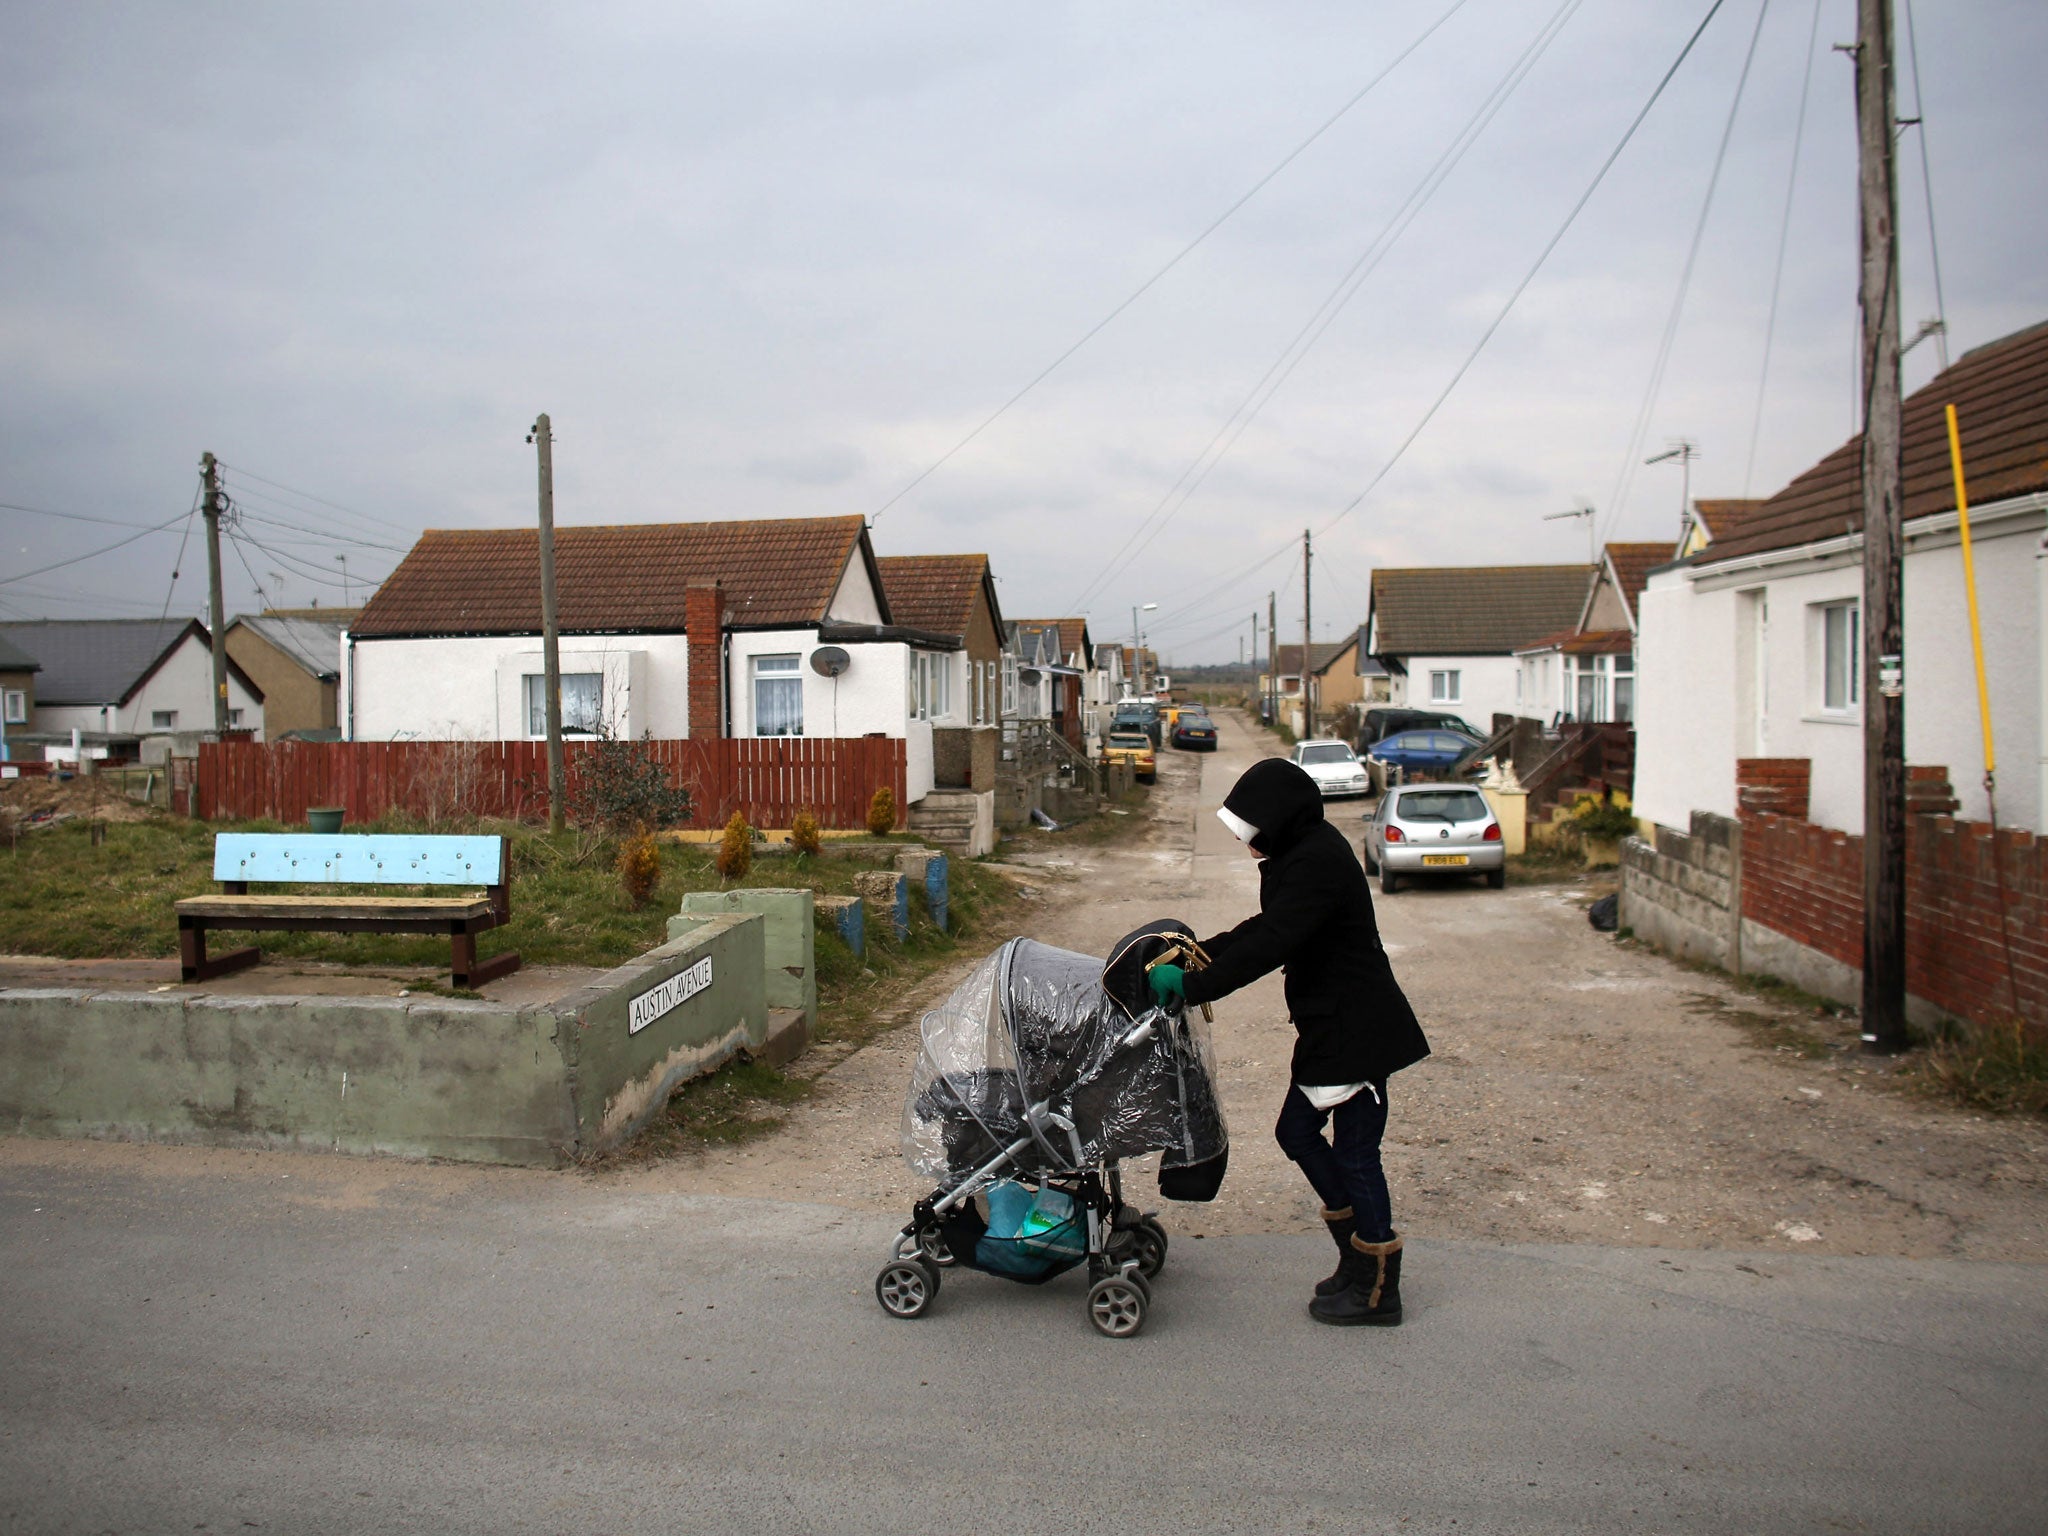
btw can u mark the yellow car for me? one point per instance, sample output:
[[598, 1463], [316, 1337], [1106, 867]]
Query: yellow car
[[1135, 748]]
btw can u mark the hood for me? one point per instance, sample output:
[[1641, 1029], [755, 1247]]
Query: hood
[[1279, 799]]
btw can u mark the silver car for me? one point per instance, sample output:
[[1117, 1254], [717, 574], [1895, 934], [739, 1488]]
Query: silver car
[[1334, 766], [1430, 829]]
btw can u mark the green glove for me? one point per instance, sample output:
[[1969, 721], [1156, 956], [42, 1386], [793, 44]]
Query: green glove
[[1168, 982]]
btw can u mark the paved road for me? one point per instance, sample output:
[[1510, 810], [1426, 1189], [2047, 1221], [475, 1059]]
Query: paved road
[[232, 1341], [190, 1350]]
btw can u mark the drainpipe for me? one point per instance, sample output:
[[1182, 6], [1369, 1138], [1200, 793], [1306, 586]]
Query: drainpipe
[[349, 640], [724, 679]]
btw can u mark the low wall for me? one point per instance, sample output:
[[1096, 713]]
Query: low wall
[[1677, 890], [411, 1076]]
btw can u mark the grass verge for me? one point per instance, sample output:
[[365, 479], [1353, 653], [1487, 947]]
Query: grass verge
[[1999, 1067]]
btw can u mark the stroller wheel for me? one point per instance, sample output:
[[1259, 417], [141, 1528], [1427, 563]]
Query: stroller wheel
[[1150, 1241], [933, 1246], [1116, 1306], [907, 1287]]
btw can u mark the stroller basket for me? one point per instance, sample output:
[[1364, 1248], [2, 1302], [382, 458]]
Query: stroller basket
[[1035, 1079]]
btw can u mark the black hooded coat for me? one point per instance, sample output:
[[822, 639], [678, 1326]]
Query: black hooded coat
[[1351, 1020]]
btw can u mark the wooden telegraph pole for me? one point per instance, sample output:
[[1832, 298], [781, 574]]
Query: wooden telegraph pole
[[1273, 658], [209, 466], [542, 437], [1883, 658], [1308, 698]]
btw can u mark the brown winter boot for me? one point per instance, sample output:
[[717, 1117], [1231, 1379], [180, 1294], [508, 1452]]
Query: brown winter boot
[[1341, 1224], [1373, 1295]]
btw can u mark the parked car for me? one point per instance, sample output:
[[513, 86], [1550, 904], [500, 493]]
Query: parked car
[[1384, 722], [1133, 747], [1334, 766], [1433, 829], [1193, 730], [1135, 715], [1425, 754]]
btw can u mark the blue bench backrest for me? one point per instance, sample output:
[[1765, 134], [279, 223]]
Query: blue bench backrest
[[358, 858]]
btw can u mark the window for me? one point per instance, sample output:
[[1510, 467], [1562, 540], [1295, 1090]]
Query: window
[[1444, 686], [1624, 688], [163, 719], [17, 706], [582, 693], [1010, 685], [778, 696], [1842, 657], [234, 719]]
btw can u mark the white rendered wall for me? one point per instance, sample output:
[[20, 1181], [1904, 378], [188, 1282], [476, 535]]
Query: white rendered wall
[[183, 684], [1485, 684], [1694, 716], [870, 696], [467, 688], [855, 601], [918, 775]]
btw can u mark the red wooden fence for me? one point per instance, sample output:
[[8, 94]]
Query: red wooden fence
[[768, 779]]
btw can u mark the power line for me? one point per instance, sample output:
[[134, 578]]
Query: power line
[[1191, 612], [298, 567], [1927, 187], [1180, 256], [368, 517], [1326, 312], [1625, 481], [94, 554], [1529, 277], [1756, 426], [179, 563], [69, 517]]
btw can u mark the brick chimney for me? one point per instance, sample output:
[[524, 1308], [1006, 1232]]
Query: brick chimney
[[1775, 786], [704, 625]]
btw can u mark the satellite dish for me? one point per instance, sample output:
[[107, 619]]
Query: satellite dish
[[1029, 677], [830, 660]]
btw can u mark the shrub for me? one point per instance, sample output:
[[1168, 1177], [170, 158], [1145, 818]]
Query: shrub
[[620, 786], [736, 849], [805, 835], [1999, 1067], [882, 812], [1609, 818], [639, 866]]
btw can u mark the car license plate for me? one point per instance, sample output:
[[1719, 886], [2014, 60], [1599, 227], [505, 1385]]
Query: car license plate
[[1445, 858]]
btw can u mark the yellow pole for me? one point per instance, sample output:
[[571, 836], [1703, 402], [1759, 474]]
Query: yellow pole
[[1955, 458]]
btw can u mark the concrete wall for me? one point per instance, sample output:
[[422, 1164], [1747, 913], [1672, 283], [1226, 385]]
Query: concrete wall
[[415, 1077], [1678, 891], [790, 939], [1729, 666]]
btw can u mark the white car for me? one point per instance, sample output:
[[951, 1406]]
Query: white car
[[1334, 766]]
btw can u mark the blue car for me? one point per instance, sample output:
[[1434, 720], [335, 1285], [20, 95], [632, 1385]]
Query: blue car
[[1424, 754]]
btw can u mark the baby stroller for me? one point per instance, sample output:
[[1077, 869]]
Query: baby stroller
[[1034, 1080]]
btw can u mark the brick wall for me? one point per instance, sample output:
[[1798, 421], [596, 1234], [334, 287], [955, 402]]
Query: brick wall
[[1806, 883], [704, 624], [1779, 785]]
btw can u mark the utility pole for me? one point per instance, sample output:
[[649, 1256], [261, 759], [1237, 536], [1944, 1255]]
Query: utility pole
[[209, 466], [1273, 657], [542, 437], [1308, 701], [1883, 660]]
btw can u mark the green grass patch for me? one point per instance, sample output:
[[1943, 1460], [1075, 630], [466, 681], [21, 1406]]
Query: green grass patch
[[740, 1101]]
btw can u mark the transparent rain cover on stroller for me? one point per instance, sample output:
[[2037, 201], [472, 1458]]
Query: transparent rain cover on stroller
[[1037, 1025]]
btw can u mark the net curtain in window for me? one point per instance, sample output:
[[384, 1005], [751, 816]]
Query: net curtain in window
[[778, 696]]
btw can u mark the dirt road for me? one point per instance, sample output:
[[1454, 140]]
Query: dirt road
[[1580, 1090]]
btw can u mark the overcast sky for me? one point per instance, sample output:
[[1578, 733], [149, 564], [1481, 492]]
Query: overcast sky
[[776, 259]]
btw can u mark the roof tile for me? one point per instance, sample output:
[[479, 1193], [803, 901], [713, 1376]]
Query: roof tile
[[1486, 610]]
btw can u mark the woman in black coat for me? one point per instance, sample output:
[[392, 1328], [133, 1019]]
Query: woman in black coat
[[1354, 1028]]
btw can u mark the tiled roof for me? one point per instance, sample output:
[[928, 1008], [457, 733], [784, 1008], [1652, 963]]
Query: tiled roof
[[1483, 610], [1727, 516], [314, 644], [2000, 392], [1632, 566], [96, 661], [619, 580], [1321, 654], [934, 592], [1069, 635]]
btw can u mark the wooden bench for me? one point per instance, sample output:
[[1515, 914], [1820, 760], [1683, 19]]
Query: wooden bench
[[351, 858]]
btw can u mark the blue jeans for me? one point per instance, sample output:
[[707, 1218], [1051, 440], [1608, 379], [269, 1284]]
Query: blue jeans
[[1345, 1169]]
